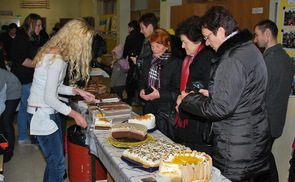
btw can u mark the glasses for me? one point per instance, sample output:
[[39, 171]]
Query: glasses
[[207, 37]]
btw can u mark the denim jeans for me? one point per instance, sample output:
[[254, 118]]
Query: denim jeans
[[23, 116], [52, 147]]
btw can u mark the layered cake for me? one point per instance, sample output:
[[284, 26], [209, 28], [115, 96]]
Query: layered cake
[[149, 154], [129, 131], [188, 165], [148, 120], [102, 123]]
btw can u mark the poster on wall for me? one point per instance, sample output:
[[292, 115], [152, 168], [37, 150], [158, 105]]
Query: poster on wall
[[291, 1], [288, 40], [289, 17]]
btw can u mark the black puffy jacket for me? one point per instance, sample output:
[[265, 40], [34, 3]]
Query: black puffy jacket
[[237, 107]]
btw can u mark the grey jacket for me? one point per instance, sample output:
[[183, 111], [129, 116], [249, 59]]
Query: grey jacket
[[13, 85], [280, 72], [120, 68]]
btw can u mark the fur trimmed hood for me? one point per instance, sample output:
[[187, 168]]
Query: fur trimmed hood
[[237, 40]]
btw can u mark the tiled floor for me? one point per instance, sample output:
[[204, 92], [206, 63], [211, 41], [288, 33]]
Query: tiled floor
[[26, 165]]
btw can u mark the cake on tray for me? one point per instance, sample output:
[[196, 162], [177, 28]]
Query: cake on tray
[[148, 120], [102, 123], [187, 165], [129, 132], [149, 154]]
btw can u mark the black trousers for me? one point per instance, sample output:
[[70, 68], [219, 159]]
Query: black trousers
[[6, 122], [272, 174]]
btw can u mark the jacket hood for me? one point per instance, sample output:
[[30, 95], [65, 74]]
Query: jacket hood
[[235, 41], [118, 51]]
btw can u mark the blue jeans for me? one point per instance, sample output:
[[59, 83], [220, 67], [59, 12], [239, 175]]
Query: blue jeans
[[23, 117], [52, 147]]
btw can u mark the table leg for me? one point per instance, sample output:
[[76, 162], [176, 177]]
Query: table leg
[[110, 178]]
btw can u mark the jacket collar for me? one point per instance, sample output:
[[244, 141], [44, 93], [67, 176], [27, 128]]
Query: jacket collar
[[273, 48], [237, 40]]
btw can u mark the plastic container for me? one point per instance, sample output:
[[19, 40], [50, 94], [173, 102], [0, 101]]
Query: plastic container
[[120, 109], [116, 118], [116, 113], [94, 113]]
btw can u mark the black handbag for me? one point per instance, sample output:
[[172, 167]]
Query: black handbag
[[208, 135], [133, 75], [165, 123]]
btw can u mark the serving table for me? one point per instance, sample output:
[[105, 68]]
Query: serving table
[[110, 156]]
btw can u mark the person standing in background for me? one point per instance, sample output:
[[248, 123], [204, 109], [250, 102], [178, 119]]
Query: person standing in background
[[71, 46], [132, 47], [148, 23], [120, 67], [2, 57], [7, 38], [134, 40], [24, 48], [280, 71], [235, 99], [13, 94]]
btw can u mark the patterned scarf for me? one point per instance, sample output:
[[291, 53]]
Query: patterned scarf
[[154, 77]]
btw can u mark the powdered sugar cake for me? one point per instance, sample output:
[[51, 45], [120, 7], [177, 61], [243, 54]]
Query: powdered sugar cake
[[150, 154]]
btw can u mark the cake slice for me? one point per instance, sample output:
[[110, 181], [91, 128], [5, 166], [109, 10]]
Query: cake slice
[[129, 132], [102, 123]]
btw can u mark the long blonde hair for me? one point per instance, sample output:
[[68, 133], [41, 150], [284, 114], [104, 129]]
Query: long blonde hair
[[73, 43]]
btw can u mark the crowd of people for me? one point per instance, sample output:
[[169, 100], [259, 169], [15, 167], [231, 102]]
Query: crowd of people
[[223, 87]]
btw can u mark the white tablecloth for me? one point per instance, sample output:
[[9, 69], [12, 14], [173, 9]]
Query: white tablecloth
[[98, 72], [110, 156]]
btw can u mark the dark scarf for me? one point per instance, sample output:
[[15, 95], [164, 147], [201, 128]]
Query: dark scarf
[[154, 77]]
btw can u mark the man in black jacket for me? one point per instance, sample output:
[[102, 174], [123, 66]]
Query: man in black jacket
[[280, 75], [132, 47]]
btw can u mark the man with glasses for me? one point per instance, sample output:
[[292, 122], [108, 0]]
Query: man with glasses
[[236, 102]]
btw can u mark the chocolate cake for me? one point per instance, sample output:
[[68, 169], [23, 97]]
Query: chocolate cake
[[129, 132]]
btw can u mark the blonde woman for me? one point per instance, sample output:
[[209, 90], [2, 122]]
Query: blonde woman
[[70, 47]]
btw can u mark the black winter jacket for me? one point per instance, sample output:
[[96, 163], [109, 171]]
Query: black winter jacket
[[237, 105], [133, 43], [200, 72], [170, 80]]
